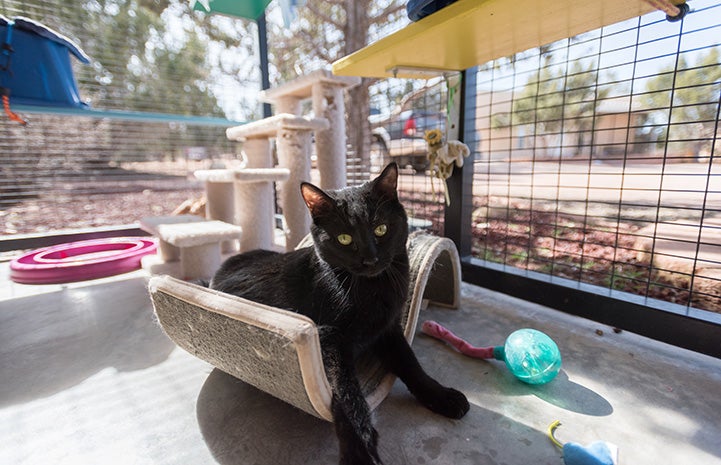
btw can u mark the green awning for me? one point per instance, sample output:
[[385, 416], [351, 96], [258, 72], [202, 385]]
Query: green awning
[[250, 9]]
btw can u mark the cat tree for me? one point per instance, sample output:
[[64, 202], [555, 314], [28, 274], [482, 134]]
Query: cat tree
[[188, 247], [244, 196], [293, 135], [326, 93]]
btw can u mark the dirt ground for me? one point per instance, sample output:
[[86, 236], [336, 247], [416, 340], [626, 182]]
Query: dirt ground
[[556, 241], [81, 211], [608, 255]]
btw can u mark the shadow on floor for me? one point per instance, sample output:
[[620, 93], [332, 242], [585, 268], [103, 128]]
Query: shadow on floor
[[243, 425], [561, 392], [570, 396], [53, 341]]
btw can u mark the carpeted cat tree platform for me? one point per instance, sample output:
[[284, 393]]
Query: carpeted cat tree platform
[[278, 351]]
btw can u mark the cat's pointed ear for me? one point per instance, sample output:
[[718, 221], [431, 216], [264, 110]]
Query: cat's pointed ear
[[317, 201], [387, 182]]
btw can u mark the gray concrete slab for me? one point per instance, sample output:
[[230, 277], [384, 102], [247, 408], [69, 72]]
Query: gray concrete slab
[[87, 377]]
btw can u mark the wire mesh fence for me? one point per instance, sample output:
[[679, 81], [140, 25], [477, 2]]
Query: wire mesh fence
[[598, 159], [156, 56], [116, 164], [401, 113], [77, 172]]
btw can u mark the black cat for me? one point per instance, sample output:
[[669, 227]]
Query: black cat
[[352, 284]]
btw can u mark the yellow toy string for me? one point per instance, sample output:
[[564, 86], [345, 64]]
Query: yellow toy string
[[552, 429]]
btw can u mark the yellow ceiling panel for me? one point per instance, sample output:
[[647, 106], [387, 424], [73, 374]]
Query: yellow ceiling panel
[[471, 32]]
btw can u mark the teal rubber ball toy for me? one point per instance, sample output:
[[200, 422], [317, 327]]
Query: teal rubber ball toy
[[530, 355]]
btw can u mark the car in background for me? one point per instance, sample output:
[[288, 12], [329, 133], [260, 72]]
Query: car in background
[[399, 136]]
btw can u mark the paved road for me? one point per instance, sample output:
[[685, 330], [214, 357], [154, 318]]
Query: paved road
[[687, 184]]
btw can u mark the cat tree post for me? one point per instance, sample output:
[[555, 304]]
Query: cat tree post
[[195, 243], [294, 147], [257, 152], [219, 200], [326, 91], [293, 139], [287, 104], [255, 206], [167, 252], [328, 102], [250, 195]]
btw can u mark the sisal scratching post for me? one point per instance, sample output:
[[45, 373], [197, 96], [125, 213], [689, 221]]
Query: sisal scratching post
[[294, 154]]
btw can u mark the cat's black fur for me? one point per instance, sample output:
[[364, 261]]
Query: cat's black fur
[[354, 293]]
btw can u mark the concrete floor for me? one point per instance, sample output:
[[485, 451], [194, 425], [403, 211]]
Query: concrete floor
[[87, 377]]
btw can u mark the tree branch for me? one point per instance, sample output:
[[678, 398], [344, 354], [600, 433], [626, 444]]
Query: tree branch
[[322, 16], [320, 50], [387, 12]]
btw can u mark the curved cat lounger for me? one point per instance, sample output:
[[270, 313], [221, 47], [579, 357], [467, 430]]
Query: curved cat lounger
[[278, 351], [82, 260]]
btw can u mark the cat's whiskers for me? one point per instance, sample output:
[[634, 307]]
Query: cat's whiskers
[[396, 277], [339, 292]]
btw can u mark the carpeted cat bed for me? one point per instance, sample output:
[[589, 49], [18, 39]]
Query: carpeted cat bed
[[279, 351]]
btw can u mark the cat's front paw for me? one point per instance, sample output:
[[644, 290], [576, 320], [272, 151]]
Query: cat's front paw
[[447, 402]]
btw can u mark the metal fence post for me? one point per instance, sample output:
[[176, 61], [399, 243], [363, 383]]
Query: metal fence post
[[457, 218]]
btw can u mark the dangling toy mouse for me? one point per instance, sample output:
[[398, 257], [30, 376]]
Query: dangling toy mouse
[[444, 155]]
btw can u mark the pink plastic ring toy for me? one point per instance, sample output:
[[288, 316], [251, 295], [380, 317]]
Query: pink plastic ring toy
[[82, 260]]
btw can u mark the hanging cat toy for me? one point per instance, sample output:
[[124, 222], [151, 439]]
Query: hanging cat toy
[[444, 154]]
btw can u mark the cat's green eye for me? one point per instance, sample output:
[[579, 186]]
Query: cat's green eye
[[345, 239], [380, 230]]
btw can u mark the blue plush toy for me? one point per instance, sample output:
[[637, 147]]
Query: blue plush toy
[[596, 453]]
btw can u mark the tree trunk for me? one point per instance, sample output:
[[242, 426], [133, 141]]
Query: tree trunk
[[358, 101]]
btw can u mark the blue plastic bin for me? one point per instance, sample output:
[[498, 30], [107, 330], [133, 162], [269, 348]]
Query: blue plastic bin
[[39, 69]]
